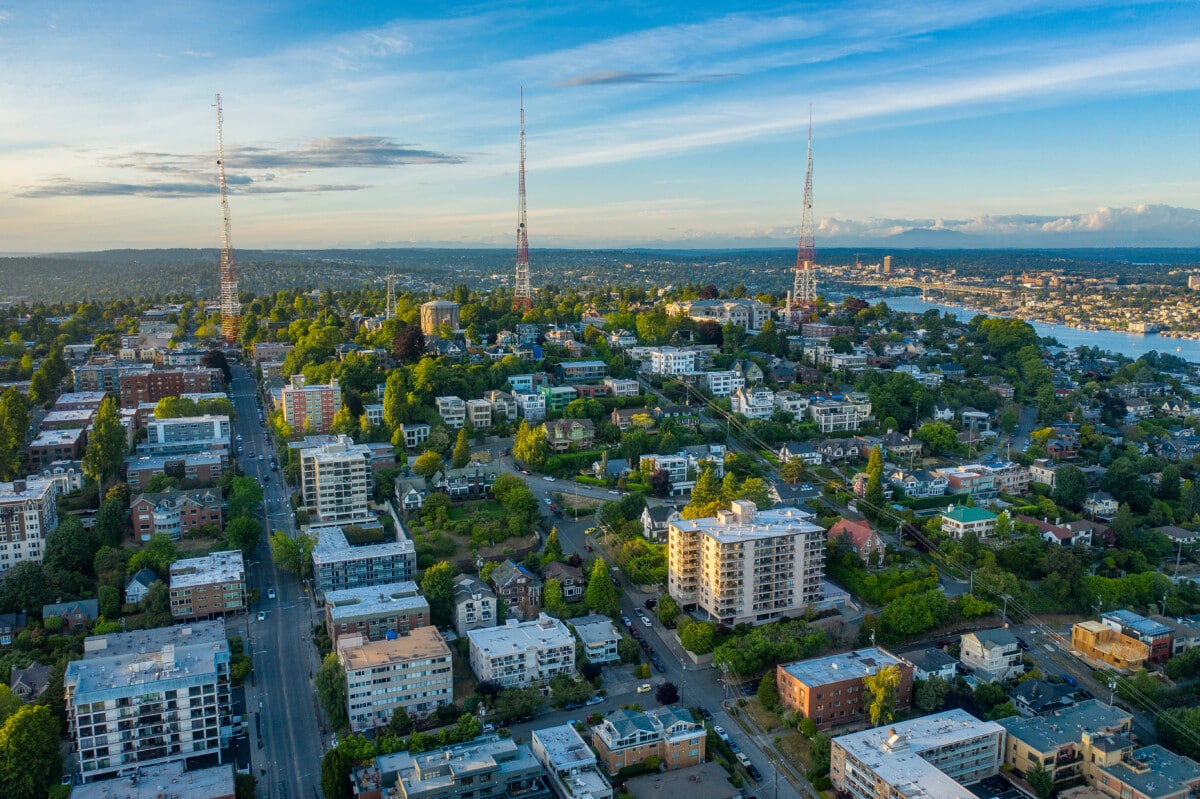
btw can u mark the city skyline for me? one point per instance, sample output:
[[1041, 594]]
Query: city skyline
[[1027, 124]]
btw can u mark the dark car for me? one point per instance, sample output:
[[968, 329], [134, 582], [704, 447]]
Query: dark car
[[754, 773], [704, 714], [651, 603], [573, 706], [644, 644], [658, 665], [1021, 643]]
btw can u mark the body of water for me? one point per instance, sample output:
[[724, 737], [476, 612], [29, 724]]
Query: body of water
[[1131, 345]]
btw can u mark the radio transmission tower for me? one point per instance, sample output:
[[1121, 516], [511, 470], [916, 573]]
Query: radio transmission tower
[[522, 291], [230, 308], [804, 285]]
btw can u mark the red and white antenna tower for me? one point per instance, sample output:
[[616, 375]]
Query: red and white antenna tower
[[804, 284], [230, 307], [522, 291]]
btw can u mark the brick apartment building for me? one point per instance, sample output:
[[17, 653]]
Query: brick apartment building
[[152, 385], [830, 690], [207, 587]]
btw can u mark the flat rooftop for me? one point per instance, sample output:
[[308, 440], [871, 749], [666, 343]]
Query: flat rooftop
[[353, 603], [835, 668], [896, 753], [422, 643], [564, 747], [1066, 726], [106, 676], [728, 528], [1155, 772], [34, 489], [51, 438], [93, 398], [595, 629], [150, 782], [153, 640], [217, 567], [332, 547], [705, 781], [545, 631], [161, 461]]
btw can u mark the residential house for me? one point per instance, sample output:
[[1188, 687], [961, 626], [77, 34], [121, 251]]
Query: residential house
[[992, 655], [452, 410], [409, 496], [76, 615], [793, 404], [863, 538], [531, 406], [504, 406], [570, 579], [473, 481], [669, 733], [1153, 634], [918, 483], [656, 520], [1037, 698], [931, 662], [474, 604], [958, 520], [835, 450], [599, 637], [11, 625], [622, 387], [802, 450], [137, 584], [415, 434], [1065, 535], [721, 383], [755, 403], [29, 683], [565, 434], [518, 588]]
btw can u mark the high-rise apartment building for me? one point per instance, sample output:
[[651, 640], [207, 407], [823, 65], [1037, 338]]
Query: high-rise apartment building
[[310, 409], [28, 513], [745, 565], [150, 696], [336, 480]]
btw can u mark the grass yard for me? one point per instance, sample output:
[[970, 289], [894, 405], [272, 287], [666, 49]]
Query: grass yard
[[796, 749], [764, 719], [488, 508]]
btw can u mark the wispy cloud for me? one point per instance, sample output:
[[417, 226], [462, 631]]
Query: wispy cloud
[[67, 187], [196, 53], [606, 78]]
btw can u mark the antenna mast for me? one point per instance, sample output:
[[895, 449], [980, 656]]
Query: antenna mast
[[522, 291], [804, 285], [230, 307], [391, 297]]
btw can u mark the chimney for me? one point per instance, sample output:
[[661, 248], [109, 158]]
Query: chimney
[[19, 486]]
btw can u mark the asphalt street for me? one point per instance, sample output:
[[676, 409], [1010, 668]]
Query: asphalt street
[[287, 740]]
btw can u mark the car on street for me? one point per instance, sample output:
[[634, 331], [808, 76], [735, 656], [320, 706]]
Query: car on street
[[754, 773], [548, 478], [548, 501], [651, 603], [614, 492], [645, 619], [644, 688], [704, 714], [572, 705], [741, 758], [720, 731], [270, 593], [262, 615], [260, 456], [489, 727], [633, 631], [589, 531], [644, 644], [660, 667], [595, 700], [626, 621], [524, 472]]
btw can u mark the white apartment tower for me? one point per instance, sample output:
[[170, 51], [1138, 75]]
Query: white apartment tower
[[336, 480], [746, 565]]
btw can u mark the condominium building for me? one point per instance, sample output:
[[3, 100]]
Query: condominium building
[[569, 763], [834, 416], [599, 637], [271, 350], [200, 466], [415, 434], [151, 385], [56, 445], [375, 611], [622, 387], [581, 371], [627, 737], [214, 782], [452, 410], [336, 481], [722, 383], [186, 434], [337, 565], [1057, 740], [831, 690], [479, 414], [754, 403], [28, 513], [474, 604], [208, 586], [489, 767], [79, 400], [310, 409], [934, 756], [746, 565], [669, 361], [521, 654], [174, 512], [503, 405], [411, 671], [531, 406], [148, 697]]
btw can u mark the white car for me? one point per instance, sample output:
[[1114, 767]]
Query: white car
[[270, 593], [720, 731], [548, 501], [548, 479], [262, 615], [644, 688]]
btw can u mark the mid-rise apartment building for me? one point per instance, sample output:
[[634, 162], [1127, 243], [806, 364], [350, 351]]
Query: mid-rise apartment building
[[310, 409], [209, 586], [375, 611], [151, 385], [628, 737], [187, 434], [149, 697], [201, 466], [521, 654], [669, 361], [934, 756], [28, 513], [722, 383], [479, 414], [336, 481], [569, 763], [746, 565], [49, 446], [474, 604], [337, 565], [830, 690], [1057, 741], [753, 403], [411, 671], [175, 512], [452, 410], [833, 416], [622, 387], [531, 405], [489, 767], [214, 782]]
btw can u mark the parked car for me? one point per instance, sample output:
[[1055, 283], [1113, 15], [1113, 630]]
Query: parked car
[[733, 747], [548, 501], [548, 478], [720, 731], [754, 773], [262, 615], [489, 727], [644, 688], [741, 758], [651, 603], [704, 714], [595, 700], [270, 593], [645, 619], [573, 706], [644, 644], [614, 492], [659, 666], [626, 621]]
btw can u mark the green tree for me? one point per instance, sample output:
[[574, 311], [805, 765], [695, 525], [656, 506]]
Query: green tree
[[768, 693], [14, 430], [931, 694], [883, 687], [331, 690], [109, 601], [437, 584], [1070, 486], [1040, 781], [156, 605], [401, 723], [244, 496], [1190, 499], [157, 555], [427, 464], [10, 703], [107, 444], [335, 774], [1179, 730], [629, 650], [939, 438], [1168, 485], [601, 595], [292, 554], [530, 446], [245, 786], [70, 547], [30, 759], [553, 550], [462, 450], [874, 498], [25, 587], [243, 533], [110, 523], [792, 472], [699, 637], [668, 610], [552, 599]]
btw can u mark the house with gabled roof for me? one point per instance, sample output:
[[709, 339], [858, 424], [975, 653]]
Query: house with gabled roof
[[518, 588], [138, 583]]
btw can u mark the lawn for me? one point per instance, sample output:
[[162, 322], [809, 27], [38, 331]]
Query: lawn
[[764, 719], [488, 508], [796, 749]]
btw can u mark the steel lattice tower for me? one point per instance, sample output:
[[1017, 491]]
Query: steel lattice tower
[[522, 290], [804, 285], [230, 307]]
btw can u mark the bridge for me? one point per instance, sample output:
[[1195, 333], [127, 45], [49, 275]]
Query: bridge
[[932, 285]]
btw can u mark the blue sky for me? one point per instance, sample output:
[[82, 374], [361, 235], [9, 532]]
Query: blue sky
[[363, 124]]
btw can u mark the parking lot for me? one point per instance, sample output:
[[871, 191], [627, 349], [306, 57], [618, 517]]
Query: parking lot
[[996, 788]]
